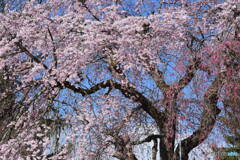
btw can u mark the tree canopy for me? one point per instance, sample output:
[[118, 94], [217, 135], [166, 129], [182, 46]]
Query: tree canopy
[[94, 79]]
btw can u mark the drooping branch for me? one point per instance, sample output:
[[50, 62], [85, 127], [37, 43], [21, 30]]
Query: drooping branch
[[208, 120]]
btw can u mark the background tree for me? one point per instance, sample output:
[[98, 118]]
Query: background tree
[[13, 109]]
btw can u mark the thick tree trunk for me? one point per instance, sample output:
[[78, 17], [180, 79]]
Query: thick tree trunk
[[166, 152], [168, 128]]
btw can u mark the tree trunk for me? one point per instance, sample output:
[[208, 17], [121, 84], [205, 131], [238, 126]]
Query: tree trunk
[[168, 128]]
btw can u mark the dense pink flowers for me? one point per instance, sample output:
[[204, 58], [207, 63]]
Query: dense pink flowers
[[126, 71]]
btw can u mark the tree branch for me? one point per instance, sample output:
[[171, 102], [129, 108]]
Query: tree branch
[[190, 73], [148, 139], [208, 120], [54, 49], [88, 9], [25, 50], [158, 78], [82, 91], [128, 92], [131, 93]]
